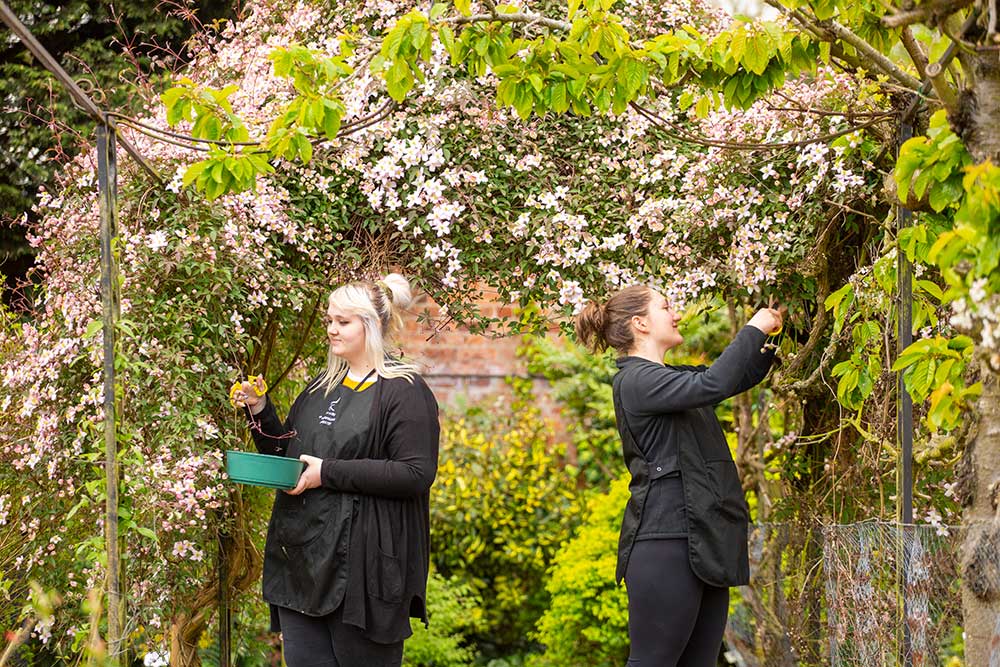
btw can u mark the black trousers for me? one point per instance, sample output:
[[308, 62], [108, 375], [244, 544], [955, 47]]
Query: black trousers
[[674, 618], [327, 641]]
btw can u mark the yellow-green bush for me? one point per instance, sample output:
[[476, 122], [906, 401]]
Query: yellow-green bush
[[453, 609], [500, 508], [587, 619]]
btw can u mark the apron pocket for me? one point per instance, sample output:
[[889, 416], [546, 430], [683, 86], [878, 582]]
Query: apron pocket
[[384, 578], [724, 480]]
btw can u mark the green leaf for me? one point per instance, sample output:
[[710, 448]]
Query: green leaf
[[331, 123], [941, 402], [447, 37], [603, 100], [506, 92], [419, 34], [464, 6], [212, 188], [482, 45], [145, 532], [737, 44], [581, 107], [216, 171], [824, 51], [758, 53], [577, 86], [437, 10], [171, 96], [702, 108], [931, 288], [842, 368], [305, 149], [632, 74], [922, 182], [848, 383], [560, 100], [523, 102], [92, 328], [944, 371], [960, 343], [399, 80], [194, 171]]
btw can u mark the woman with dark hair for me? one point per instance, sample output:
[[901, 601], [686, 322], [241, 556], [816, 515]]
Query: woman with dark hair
[[347, 551], [683, 540]]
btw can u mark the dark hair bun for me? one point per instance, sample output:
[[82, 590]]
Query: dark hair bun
[[590, 323]]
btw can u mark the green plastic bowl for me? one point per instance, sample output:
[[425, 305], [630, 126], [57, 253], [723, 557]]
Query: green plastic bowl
[[274, 472]]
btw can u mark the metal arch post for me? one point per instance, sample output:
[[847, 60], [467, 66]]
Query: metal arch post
[[905, 421], [904, 415], [107, 180]]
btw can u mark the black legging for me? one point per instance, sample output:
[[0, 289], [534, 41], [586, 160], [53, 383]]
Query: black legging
[[674, 618], [329, 642]]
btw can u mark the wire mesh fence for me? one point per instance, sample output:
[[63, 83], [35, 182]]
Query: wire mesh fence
[[871, 594]]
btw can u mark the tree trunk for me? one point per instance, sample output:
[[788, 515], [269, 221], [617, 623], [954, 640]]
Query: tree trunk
[[242, 573], [981, 548], [980, 112]]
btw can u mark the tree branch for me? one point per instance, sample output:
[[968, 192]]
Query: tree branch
[[678, 133], [943, 89], [928, 12], [520, 17], [915, 52], [869, 53]]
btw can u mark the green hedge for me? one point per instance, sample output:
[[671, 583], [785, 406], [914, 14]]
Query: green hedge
[[587, 620]]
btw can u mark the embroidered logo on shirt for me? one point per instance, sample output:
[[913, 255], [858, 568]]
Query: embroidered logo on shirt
[[331, 413]]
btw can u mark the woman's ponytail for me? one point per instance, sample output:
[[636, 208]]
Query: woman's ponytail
[[590, 324]]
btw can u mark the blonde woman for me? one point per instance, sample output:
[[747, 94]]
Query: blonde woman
[[347, 551]]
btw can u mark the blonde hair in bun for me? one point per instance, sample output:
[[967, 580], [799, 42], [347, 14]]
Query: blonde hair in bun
[[380, 306], [399, 289]]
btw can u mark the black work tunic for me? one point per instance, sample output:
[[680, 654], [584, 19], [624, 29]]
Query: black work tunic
[[676, 452], [305, 576], [361, 540]]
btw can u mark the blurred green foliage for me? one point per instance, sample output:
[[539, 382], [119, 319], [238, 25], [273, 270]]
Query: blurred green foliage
[[501, 507], [587, 620], [454, 610]]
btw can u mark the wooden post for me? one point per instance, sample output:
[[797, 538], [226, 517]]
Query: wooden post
[[225, 640]]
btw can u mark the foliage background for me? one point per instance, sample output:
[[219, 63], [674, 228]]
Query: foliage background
[[40, 128]]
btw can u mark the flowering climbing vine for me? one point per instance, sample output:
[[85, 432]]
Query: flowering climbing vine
[[541, 157]]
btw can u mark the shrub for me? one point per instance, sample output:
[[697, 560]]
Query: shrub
[[586, 622], [581, 382], [501, 506], [454, 611]]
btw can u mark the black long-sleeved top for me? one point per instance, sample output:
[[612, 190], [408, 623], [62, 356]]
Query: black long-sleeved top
[[382, 484], [667, 423]]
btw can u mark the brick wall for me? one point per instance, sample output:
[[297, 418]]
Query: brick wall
[[461, 367]]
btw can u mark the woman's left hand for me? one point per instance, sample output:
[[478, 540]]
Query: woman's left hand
[[310, 477]]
